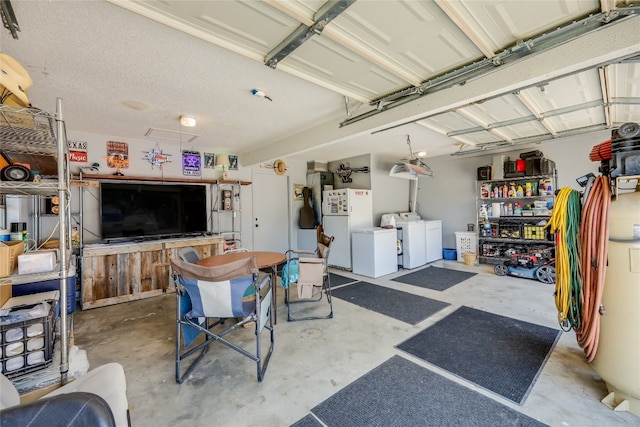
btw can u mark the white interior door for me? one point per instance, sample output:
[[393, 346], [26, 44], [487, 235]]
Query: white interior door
[[270, 212]]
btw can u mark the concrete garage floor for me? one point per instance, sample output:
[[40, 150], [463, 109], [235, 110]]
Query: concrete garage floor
[[314, 359]]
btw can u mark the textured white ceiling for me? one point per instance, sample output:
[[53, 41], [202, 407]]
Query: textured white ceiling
[[123, 67]]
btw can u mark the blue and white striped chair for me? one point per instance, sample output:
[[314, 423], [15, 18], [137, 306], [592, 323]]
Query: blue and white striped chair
[[208, 296]]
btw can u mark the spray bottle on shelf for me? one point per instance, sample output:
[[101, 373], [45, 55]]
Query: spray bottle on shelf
[[483, 212]]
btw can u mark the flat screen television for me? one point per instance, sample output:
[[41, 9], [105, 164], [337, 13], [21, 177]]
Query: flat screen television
[[132, 211]]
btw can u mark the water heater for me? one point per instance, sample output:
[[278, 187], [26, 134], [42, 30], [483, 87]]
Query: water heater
[[617, 360]]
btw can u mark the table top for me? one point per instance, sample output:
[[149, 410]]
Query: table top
[[265, 259]]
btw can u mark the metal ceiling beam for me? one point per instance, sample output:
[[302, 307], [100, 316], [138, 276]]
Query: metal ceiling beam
[[492, 146], [625, 101], [631, 59], [464, 131], [486, 126], [609, 44], [346, 40], [574, 108], [543, 115], [534, 117], [9, 19], [537, 45], [327, 13], [490, 126], [539, 115]]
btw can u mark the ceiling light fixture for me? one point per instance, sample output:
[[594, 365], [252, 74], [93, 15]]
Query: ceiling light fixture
[[188, 121], [260, 93], [411, 168]]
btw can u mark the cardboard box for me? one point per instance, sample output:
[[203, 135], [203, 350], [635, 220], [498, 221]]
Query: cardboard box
[[9, 252], [37, 261], [5, 294]]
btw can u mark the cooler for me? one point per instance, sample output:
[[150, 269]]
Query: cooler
[[49, 285], [374, 251]]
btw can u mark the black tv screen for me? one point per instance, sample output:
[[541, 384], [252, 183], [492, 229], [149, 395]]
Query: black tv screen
[[148, 210]]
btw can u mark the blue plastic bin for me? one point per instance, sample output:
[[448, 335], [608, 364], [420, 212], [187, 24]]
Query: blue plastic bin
[[450, 254]]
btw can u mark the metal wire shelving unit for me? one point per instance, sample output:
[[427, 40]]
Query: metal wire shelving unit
[[35, 132]]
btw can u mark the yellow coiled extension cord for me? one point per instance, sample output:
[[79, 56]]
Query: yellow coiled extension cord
[[565, 221]]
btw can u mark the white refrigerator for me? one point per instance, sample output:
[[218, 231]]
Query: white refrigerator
[[344, 210]]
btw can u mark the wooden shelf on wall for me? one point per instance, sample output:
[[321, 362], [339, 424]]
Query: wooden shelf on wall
[[230, 181], [156, 179]]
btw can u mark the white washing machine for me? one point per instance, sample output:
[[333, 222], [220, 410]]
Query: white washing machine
[[412, 240]]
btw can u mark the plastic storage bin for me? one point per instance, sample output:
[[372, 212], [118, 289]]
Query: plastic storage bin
[[449, 254], [26, 345], [466, 242], [49, 285], [534, 232]]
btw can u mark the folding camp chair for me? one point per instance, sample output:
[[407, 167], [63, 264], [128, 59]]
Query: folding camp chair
[[308, 271], [207, 297]]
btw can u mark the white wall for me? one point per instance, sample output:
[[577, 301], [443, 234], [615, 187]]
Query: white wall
[[389, 194], [450, 195], [358, 179], [140, 167], [297, 174]]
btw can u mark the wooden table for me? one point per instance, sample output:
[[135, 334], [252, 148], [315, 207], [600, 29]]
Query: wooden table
[[266, 261]]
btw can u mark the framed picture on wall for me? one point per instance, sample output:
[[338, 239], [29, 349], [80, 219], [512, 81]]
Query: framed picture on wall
[[233, 162], [190, 163], [117, 155], [209, 160], [297, 191]]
